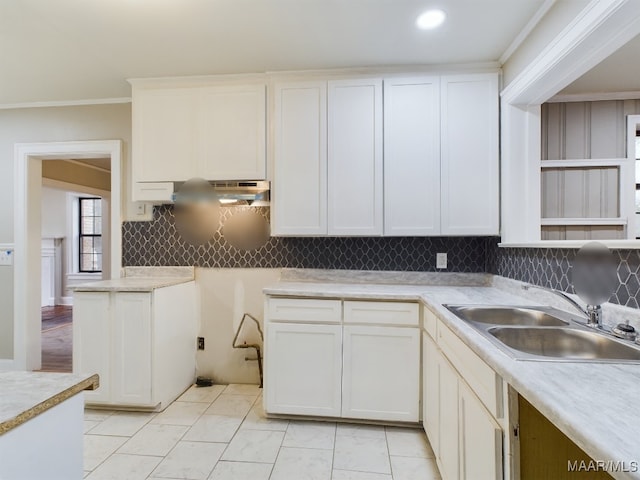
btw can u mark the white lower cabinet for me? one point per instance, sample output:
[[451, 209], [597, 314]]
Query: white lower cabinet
[[381, 373], [430, 391], [466, 438], [132, 349], [141, 344], [449, 422], [318, 364], [303, 369], [480, 439], [91, 351]]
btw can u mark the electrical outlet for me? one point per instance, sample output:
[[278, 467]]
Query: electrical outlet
[[200, 343], [441, 260]]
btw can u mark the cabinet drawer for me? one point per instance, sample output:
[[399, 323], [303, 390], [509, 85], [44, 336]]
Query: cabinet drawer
[[387, 313], [305, 310], [481, 378], [152, 192], [430, 323]]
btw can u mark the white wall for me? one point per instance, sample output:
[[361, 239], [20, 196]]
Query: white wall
[[95, 122], [225, 294], [54, 213]]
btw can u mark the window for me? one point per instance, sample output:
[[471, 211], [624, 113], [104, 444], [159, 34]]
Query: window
[[90, 229]]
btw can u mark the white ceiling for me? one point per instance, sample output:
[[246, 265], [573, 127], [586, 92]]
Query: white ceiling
[[619, 72], [56, 50]]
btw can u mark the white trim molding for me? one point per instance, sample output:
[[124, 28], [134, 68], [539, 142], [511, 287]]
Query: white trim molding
[[611, 244], [65, 103], [28, 159], [598, 31], [594, 97], [528, 28], [547, 221]]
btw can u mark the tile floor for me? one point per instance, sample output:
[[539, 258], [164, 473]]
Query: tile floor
[[221, 433]]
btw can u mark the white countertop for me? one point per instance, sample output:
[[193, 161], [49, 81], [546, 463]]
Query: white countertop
[[24, 395], [130, 284], [584, 400]]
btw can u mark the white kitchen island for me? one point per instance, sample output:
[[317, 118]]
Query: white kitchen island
[[41, 420]]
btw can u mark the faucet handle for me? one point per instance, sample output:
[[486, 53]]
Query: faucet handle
[[624, 330]]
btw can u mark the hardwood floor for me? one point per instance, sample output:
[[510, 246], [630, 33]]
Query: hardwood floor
[[57, 337]]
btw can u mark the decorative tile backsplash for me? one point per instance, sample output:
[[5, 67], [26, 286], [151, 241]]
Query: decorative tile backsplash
[[157, 243], [551, 267]]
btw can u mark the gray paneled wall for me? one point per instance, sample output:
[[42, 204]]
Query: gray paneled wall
[[583, 130]]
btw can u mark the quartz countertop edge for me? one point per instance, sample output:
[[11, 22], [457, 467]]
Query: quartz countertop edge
[[73, 385], [131, 284], [572, 395]]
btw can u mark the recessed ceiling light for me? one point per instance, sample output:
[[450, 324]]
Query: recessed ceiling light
[[431, 19]]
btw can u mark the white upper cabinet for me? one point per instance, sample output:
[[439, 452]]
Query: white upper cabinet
[[165, 140], [217, 132], [355, 157], [233, 133], [469, 154], [299, 193], [412, 156]]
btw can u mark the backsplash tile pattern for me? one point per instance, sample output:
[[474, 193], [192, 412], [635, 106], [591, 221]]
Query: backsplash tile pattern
[[551, 267], [157, 243]]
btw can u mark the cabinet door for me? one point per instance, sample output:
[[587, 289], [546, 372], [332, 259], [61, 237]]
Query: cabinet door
[[92, 340], [481, 439], [132, 349], [381, 373], [469, 150], [355, 157], [299, 194], [431, 392], [449, 449], [232, 133], [303, 369], [412, 156], [164, 134]]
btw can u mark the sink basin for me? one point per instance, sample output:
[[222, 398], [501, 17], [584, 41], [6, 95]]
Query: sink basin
[[565, 343], [495, 315], [544, 334]]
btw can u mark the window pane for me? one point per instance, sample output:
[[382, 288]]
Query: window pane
[[87, 207], [90, 249], [86, 226], [86, 245], [86, 262]]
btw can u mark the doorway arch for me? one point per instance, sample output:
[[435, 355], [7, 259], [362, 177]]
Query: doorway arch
[[28, 158]]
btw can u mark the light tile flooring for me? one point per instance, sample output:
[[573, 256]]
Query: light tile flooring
[[221, 433]]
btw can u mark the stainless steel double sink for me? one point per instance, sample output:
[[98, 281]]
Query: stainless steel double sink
[[544, 333]]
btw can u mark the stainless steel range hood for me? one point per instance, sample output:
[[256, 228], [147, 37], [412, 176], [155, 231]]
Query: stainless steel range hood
[[252, 192]]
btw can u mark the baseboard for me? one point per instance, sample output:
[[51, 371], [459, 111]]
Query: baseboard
[[65, 301]]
